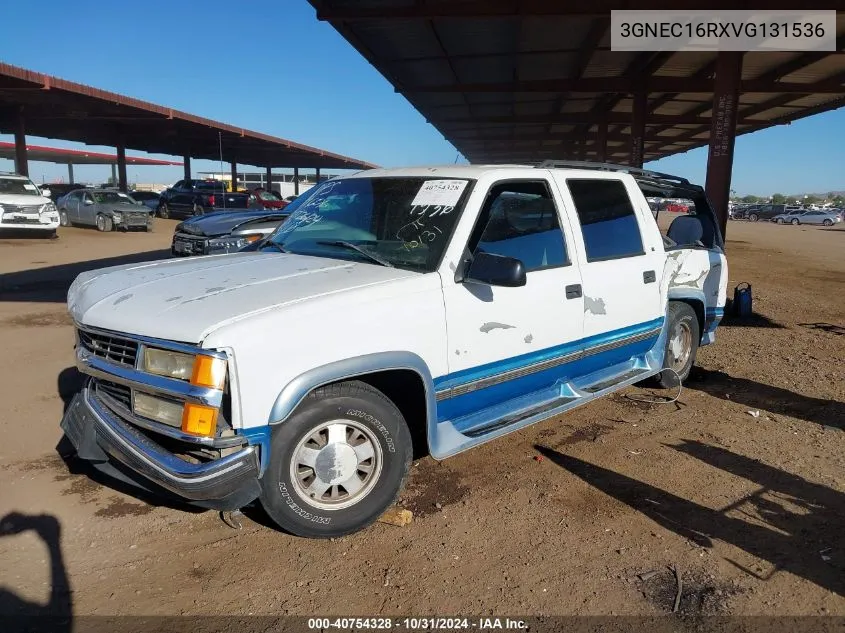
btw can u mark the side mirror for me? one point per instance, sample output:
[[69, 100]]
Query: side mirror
[[88, 202], [45, 193], [496, 270]]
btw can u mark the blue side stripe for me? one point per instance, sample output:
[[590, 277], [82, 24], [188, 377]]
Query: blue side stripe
[[516, 362]]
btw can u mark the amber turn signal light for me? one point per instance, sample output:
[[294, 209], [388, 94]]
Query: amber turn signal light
[[198, 419], [209, 372]]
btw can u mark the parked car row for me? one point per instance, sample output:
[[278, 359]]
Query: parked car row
[[786, 214]]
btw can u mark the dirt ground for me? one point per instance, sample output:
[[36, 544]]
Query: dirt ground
[[740, 485]]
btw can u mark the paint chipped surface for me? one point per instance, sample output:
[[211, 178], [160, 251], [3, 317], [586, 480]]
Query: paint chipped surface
[[493, 325], [172, 299], [594, 306], [122, 298], [215, 289], [528, 338]]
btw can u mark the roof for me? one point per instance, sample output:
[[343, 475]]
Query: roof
[[76, 156], [525, 80], [57, 108]]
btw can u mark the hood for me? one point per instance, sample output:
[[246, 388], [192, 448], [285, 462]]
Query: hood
[[222, 223], [126, 207], [187, 299], [23, 200]]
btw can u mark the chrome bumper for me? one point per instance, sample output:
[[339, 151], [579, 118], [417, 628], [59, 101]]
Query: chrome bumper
[[99, 437]]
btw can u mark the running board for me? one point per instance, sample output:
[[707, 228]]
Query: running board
[[612, 382], [519, 416]]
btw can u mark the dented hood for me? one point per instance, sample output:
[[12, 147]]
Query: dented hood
[[186, 299]]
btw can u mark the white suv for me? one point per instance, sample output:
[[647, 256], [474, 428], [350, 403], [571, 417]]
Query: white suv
[[23, 206]]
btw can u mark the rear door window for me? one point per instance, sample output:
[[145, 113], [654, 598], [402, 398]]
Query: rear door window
[[608, 222]]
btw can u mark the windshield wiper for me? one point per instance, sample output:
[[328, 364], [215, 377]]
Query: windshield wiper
[[274, 244], [363, 251]]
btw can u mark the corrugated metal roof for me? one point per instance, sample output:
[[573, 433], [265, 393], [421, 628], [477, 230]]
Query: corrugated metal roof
[[527, 65]]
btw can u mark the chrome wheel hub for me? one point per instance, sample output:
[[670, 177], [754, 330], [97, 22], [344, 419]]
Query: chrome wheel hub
[[680, 346], [336, 464]]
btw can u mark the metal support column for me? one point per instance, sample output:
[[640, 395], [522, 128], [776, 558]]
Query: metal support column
[[723, 133], [601, 142], [121, 167], [268, 185], [234, 176], [638, 128], [187, 163], [113, 174], [317, 176], [70, 173], [21, 160], [296, 181]]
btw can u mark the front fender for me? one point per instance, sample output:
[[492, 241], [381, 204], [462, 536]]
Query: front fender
[[297, 389]]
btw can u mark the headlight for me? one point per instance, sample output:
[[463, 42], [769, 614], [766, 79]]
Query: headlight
[[46, 208], [232, 243], [165, 411], [200, 370]]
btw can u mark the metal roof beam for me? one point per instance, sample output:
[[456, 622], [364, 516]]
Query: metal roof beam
[[512, 8], [625, 85], [577, 118]]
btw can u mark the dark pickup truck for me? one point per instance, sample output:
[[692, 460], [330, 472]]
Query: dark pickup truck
[[195, 197]]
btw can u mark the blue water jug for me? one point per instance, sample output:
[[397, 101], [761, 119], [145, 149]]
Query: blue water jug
[[742, 300]]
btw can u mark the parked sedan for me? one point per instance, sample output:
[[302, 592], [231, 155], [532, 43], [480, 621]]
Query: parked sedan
[[105, 209], [821, 217], [790, 217]]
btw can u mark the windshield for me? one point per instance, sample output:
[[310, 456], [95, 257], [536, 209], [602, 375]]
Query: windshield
[[111, 197], [267, 195], [18, 186], [400, 221]]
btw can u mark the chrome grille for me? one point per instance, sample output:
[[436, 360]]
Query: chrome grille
[[120, 393], [13, 220], [111, 348], [21, 208]]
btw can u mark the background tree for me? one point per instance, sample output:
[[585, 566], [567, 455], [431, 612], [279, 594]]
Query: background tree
[[778, 198], [750, 198]]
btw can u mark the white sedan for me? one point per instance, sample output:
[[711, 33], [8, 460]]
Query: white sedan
[[24, 207]]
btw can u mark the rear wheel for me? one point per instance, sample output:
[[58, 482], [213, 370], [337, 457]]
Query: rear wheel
[[828, 222], [795, 222], [337, 463], [682, 341], [753, 217], [163, 211], [198, 210]]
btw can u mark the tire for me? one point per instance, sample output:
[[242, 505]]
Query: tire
[[101, 223], [369, 419], [795, 222], [198, 210], [828, 222], [680, 356], [163, 211], [753, 217], [63, 219]]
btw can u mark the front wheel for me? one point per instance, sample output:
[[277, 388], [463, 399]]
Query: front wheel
[[337, 463], [796, 222], [753, 217], [104, 224], [682, 341], [63, 219]]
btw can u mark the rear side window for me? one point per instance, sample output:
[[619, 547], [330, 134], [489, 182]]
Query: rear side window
[[607, 218], [522, 222]]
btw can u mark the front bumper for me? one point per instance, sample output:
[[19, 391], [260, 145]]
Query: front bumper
[[16, 225], [137, 221], [117, 448]]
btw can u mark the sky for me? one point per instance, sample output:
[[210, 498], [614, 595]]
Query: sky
[[270, 66]]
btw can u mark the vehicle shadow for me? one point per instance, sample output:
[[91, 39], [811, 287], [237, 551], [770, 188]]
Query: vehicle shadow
[[19, 613], [825, 327], [791, 522], [756, 395], [755, 319], [50, 284]]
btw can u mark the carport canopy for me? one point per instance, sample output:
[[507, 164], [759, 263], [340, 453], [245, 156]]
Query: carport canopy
[[50, 107], [523, 81]]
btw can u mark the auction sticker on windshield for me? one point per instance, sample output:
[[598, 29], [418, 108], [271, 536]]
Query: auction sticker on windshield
[[439, 192]]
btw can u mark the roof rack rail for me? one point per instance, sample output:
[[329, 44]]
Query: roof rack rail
[[634, 171]]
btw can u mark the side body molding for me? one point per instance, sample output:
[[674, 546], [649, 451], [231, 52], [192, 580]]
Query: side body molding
[[296, 390]]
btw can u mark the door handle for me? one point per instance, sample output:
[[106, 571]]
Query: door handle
[[649, 277], [573, 292]]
